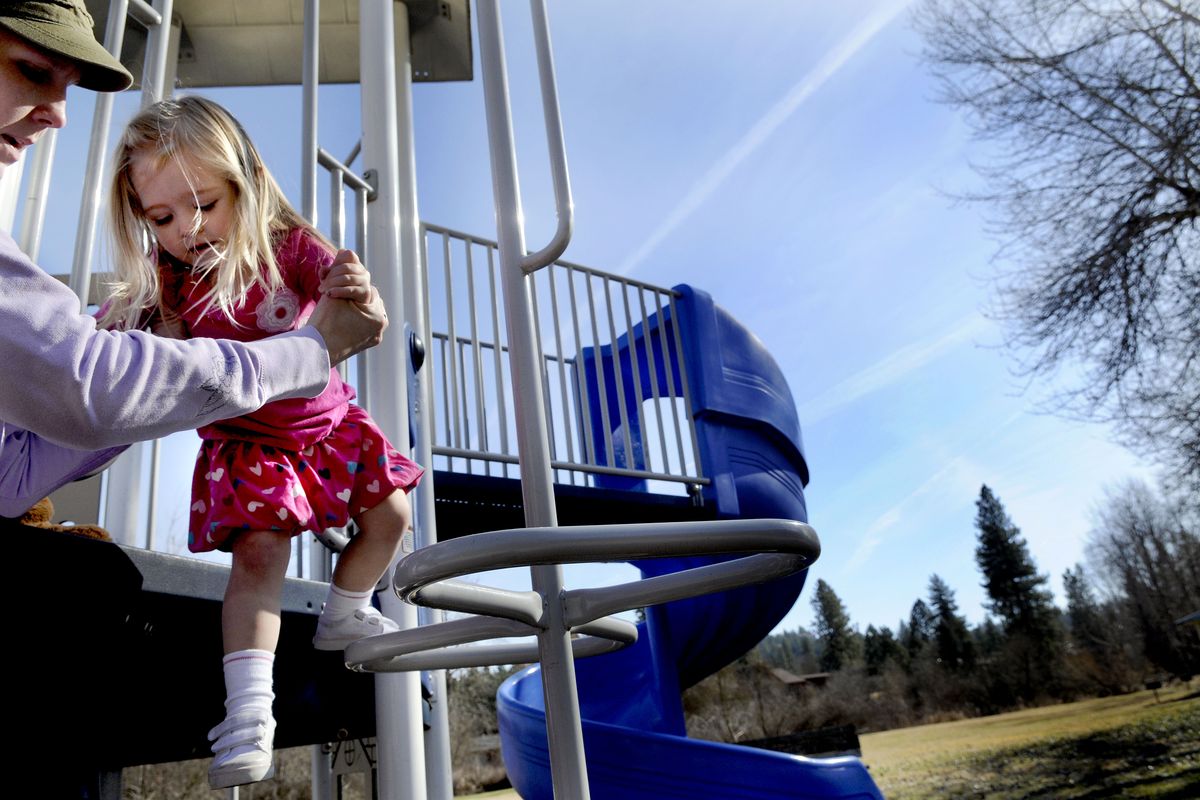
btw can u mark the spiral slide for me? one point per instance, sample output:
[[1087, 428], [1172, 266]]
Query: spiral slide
[[633, 728]]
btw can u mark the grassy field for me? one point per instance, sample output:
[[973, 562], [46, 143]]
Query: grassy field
[[1115, 747], [1128, 746]]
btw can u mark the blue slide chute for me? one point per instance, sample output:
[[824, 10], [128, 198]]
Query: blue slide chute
[[748, 441]]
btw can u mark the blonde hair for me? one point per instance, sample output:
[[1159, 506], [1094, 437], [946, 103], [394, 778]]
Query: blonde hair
[[197, 134]]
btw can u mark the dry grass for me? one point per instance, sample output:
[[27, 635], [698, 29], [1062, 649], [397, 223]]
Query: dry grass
[[1128, 746]]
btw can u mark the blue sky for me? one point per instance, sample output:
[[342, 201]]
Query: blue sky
[[788, 159]]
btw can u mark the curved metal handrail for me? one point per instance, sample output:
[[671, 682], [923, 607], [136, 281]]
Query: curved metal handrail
[[778, 548]]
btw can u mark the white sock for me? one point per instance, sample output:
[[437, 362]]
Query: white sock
[[248, 685], [341, 603]]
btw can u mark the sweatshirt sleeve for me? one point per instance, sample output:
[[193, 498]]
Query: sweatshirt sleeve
[[90, 389], [32, 467]]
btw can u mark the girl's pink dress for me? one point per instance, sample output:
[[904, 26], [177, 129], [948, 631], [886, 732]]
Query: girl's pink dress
[[293, 465]]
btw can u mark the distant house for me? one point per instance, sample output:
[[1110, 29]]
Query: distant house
[[811, 680]]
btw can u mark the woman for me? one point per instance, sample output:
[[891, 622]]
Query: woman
[[72, 397]]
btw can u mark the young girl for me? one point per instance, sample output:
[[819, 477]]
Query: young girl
[[207, 245]]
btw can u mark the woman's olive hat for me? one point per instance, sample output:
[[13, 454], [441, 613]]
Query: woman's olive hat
[[64, 28]]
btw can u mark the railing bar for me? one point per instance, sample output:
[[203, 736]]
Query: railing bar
[[152, 510], [461, 400], [456, 426], [687, 392], [531, 280], [673, 378], [337, 209], [562, 369], [498, 353], [636, 373], [618, 377], [601, 387], [656, 384], [584, 411], [352, 178], [476, 357], [503, 458], [363, 370], [443, 344], [144, 13]]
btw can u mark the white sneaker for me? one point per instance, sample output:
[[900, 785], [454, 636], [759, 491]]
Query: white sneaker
[[335, 635], [253, 728]]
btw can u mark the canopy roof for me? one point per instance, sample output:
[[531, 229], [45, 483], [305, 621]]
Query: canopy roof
[[239, 43]]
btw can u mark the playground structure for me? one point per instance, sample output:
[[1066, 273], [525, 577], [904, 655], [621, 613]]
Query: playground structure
[[613, 421]]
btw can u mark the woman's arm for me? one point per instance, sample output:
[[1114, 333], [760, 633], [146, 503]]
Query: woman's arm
[[90, 389], [31, 467]]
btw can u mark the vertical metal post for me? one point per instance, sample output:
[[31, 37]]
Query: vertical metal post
[[439, 784], [97, 162], [308, 126], [394, 246], [568, 770], [158, 46], [152, 510], [37, 192]]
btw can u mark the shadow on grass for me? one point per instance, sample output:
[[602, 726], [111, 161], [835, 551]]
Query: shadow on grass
[[1159, 759]]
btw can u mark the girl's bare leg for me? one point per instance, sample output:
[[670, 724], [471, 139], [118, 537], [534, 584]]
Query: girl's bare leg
[[348, 614], [250, 616]]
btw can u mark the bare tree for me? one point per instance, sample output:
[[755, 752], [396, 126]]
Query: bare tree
[[1148, 548], [1091, 109]]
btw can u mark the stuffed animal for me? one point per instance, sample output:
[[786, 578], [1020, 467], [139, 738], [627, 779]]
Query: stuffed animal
[[43, 511]]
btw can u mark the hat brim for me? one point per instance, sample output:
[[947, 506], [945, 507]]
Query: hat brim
[[99, 70]]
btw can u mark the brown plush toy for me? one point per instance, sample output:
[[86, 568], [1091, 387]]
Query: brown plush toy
[[43, 511]]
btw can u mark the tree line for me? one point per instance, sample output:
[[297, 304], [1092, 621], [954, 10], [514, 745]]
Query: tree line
[[1117, 628]]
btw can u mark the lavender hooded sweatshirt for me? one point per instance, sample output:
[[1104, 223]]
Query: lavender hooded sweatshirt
[[72, 397]]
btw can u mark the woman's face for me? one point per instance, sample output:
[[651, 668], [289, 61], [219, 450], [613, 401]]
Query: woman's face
[[33, 94], [190, 214]]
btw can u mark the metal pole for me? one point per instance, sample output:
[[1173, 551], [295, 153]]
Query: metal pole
[[392, 223], [37, 192], [158, 45], [97, 162], [308, 126], [563, 727], [439, 782]]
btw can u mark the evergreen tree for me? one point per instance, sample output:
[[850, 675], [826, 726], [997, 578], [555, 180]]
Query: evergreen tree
[[839, 644], [920, 629], [1011, 579], [880, 647], [955, 650], [1029, 657]]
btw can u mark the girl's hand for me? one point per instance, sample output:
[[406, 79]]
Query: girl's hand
[[346, 279], [350, 315]]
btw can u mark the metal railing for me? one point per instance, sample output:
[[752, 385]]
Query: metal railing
[[600, 421]]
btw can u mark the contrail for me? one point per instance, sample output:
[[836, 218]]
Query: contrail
[[761, 130], [890, 369]]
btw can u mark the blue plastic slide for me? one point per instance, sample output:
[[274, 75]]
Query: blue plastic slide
[[633, 728]]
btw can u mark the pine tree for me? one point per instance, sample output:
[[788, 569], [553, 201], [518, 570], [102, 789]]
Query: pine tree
[[1009, 575], [1030, 652], [839, 643], [920, 629], [880, 647], [955, 650]]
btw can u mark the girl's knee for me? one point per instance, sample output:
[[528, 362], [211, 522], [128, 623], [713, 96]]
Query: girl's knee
[[390, 519], [262, 551]]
